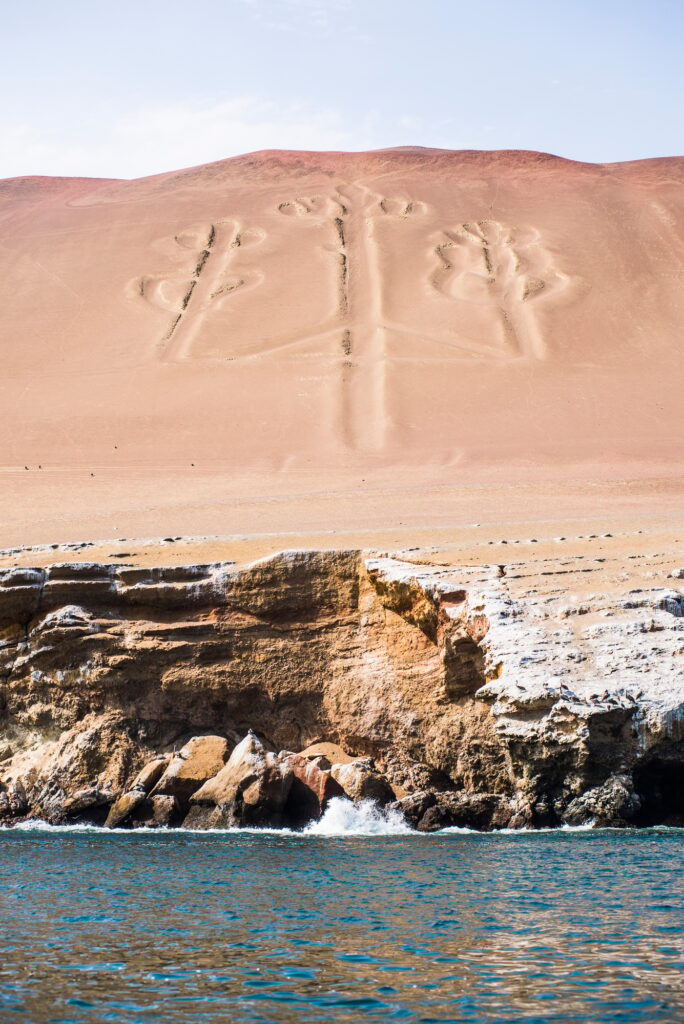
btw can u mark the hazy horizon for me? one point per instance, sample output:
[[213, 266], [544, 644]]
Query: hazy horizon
[[145, 90]]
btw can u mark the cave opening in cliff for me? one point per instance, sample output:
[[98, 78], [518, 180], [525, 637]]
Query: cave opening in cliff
[[659, 783]]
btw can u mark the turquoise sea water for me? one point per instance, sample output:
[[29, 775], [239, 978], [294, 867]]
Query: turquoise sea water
[[245, 926]]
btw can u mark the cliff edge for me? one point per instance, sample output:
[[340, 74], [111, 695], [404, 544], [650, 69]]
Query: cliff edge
[[463, 695]]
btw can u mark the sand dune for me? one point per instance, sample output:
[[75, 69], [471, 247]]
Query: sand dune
[[234, 345]]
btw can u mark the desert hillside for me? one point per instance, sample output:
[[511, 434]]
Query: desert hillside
[[288, 342]]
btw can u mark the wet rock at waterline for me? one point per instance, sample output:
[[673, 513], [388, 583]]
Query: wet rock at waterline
[[414, 807], [481, 811], [614, 803], [123, 808]]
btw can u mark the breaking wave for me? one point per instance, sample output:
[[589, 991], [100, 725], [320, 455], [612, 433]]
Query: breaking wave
[[343, 818]]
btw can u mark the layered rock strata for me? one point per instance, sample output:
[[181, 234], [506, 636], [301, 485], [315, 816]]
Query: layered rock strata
[[223, 695]]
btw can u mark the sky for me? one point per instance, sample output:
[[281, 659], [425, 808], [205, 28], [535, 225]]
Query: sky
[[139, 87]]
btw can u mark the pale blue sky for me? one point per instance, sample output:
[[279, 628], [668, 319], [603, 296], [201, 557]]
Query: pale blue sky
[[130, 88]]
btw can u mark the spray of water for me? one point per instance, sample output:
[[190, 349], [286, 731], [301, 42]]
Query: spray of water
[[343, 818]]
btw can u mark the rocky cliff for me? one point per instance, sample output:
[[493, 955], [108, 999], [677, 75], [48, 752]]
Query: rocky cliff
[[462, 694]]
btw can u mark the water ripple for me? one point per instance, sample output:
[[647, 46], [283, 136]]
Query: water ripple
[[327, 927]]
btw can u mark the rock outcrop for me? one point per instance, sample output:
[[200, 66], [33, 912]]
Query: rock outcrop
[[251, 789], [199, 760], [183, 695], [313, 787]]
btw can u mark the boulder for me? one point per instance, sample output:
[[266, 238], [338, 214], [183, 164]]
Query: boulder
[[121, 810], [522, 816], [204, 816], [414, 806], [481, 811], [137, 810], [155, 812], [78, 775], [134, 802], [612, 804], [251, 789], [200, 759], [164, 812], [360, 781], [150, 775], [312, 787], [13, 801], [332, 752], [89, 804]]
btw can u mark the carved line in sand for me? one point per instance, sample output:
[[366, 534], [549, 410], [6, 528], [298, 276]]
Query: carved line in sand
[[219, 273], [188, 299], [482, 263], [504, 272], [326, 211]]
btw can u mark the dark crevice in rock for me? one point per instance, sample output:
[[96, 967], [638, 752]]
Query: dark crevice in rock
[[611, 744], [659, 784]]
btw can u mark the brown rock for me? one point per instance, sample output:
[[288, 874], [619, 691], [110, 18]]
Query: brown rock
[[13, 801], [123, 808], [200, 759], [164, 812], [360, 781], [522, 817], [156, 812], [332, 752], [413, 807], [104, 664], [481, 811], [138, 810], [312, 787], [613, 804], [89, 804], [77, 775], [205, 816], [138, 654], [148, 776], [251, 789]]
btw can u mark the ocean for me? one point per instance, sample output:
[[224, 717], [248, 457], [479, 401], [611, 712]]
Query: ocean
[[355, 920]]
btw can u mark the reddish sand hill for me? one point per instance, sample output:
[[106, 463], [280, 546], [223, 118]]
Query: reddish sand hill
[[293, 342]]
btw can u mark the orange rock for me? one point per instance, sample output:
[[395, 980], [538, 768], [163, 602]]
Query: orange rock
[[200, 759]]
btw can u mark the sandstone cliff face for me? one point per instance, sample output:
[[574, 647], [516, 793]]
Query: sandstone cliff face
[[492, 705]]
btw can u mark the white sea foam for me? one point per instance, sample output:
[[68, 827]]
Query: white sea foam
[[343, 818], [37, 825], [522, 832]]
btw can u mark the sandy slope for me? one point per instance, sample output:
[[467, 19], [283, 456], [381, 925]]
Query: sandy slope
[[295, 343]]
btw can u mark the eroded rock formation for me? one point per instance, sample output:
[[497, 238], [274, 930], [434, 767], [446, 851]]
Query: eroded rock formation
[[137, 696]]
